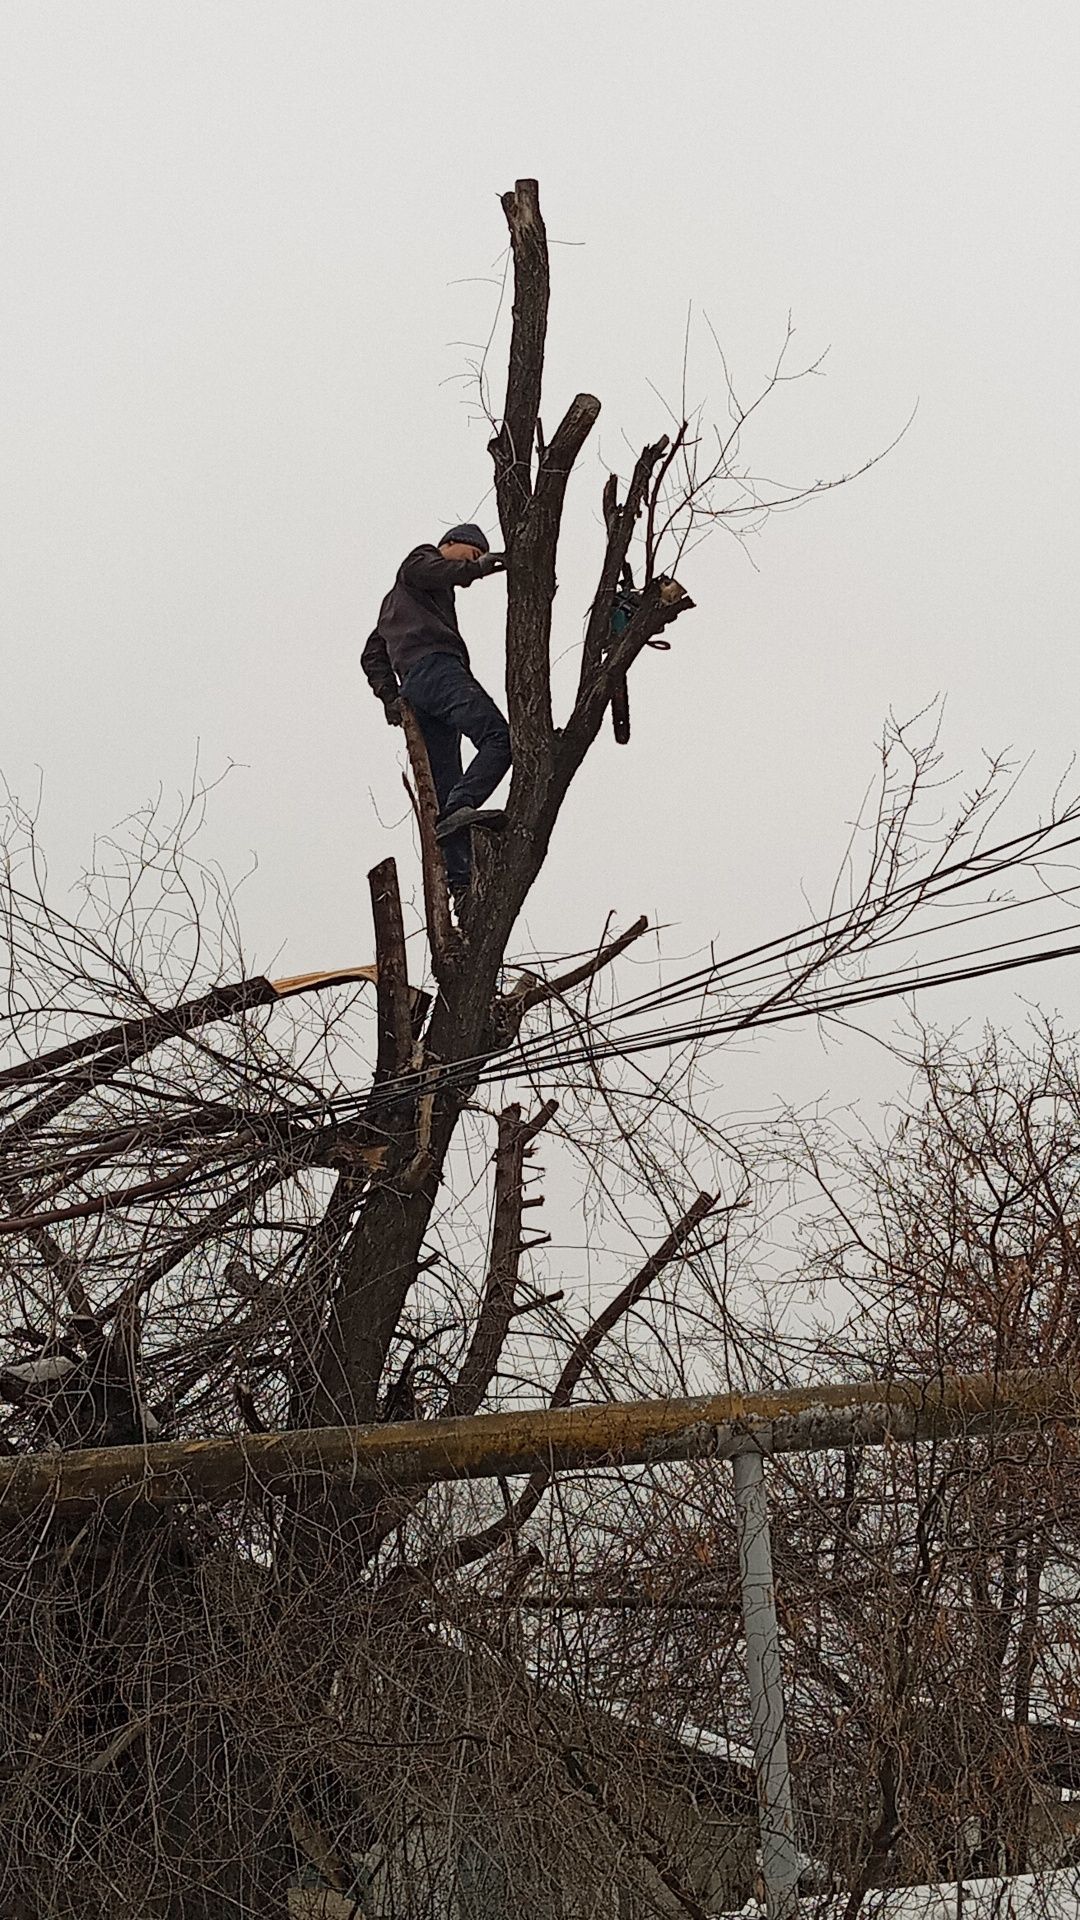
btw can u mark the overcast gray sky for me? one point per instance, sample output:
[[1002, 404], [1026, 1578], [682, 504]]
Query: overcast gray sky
[[246, 247]]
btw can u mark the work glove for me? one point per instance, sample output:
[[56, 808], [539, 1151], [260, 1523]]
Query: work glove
[[392, 710], [491, 563]]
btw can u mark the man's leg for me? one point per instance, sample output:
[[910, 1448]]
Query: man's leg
[[473, 712], [441, 687]]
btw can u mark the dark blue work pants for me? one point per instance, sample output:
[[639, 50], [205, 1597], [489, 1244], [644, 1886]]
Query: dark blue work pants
[[451, 704]]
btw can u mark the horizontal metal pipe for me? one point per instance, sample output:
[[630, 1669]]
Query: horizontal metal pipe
[[639, 1433]]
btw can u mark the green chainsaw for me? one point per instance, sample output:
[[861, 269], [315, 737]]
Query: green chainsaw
[[626, 603]]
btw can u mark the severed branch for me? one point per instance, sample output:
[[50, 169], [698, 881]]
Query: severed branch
[[62, 1094], [292, 1145], [498, 1305], [81, 1067], [129, 1040], [104, 1203], [394, 1012]]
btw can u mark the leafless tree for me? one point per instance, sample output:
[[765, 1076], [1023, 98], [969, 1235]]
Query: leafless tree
[[926, 1592], [228, 1200]]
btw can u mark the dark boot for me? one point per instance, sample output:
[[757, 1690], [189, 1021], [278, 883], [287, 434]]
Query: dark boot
[[493, 818]]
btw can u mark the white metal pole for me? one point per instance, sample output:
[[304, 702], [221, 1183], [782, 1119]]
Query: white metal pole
[[776, 1822]]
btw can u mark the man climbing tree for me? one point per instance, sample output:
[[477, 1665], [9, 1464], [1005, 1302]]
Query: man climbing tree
[[417, 653]]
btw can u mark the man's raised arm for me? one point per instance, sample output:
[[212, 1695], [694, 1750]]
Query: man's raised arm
[[427, 569]]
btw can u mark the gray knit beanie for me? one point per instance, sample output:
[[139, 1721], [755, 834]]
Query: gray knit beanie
[[466, 535]]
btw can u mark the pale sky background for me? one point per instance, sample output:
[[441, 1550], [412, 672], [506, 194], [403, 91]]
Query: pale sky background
[[243, 245]]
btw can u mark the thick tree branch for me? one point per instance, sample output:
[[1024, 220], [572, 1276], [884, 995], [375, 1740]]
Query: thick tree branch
[[530, 594], [529, 513], [392, 985], [130, 1040], [500, 1287], [65, 1267], [1035, 1550], [307, 1310], [511, 448], [52, 1255]]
